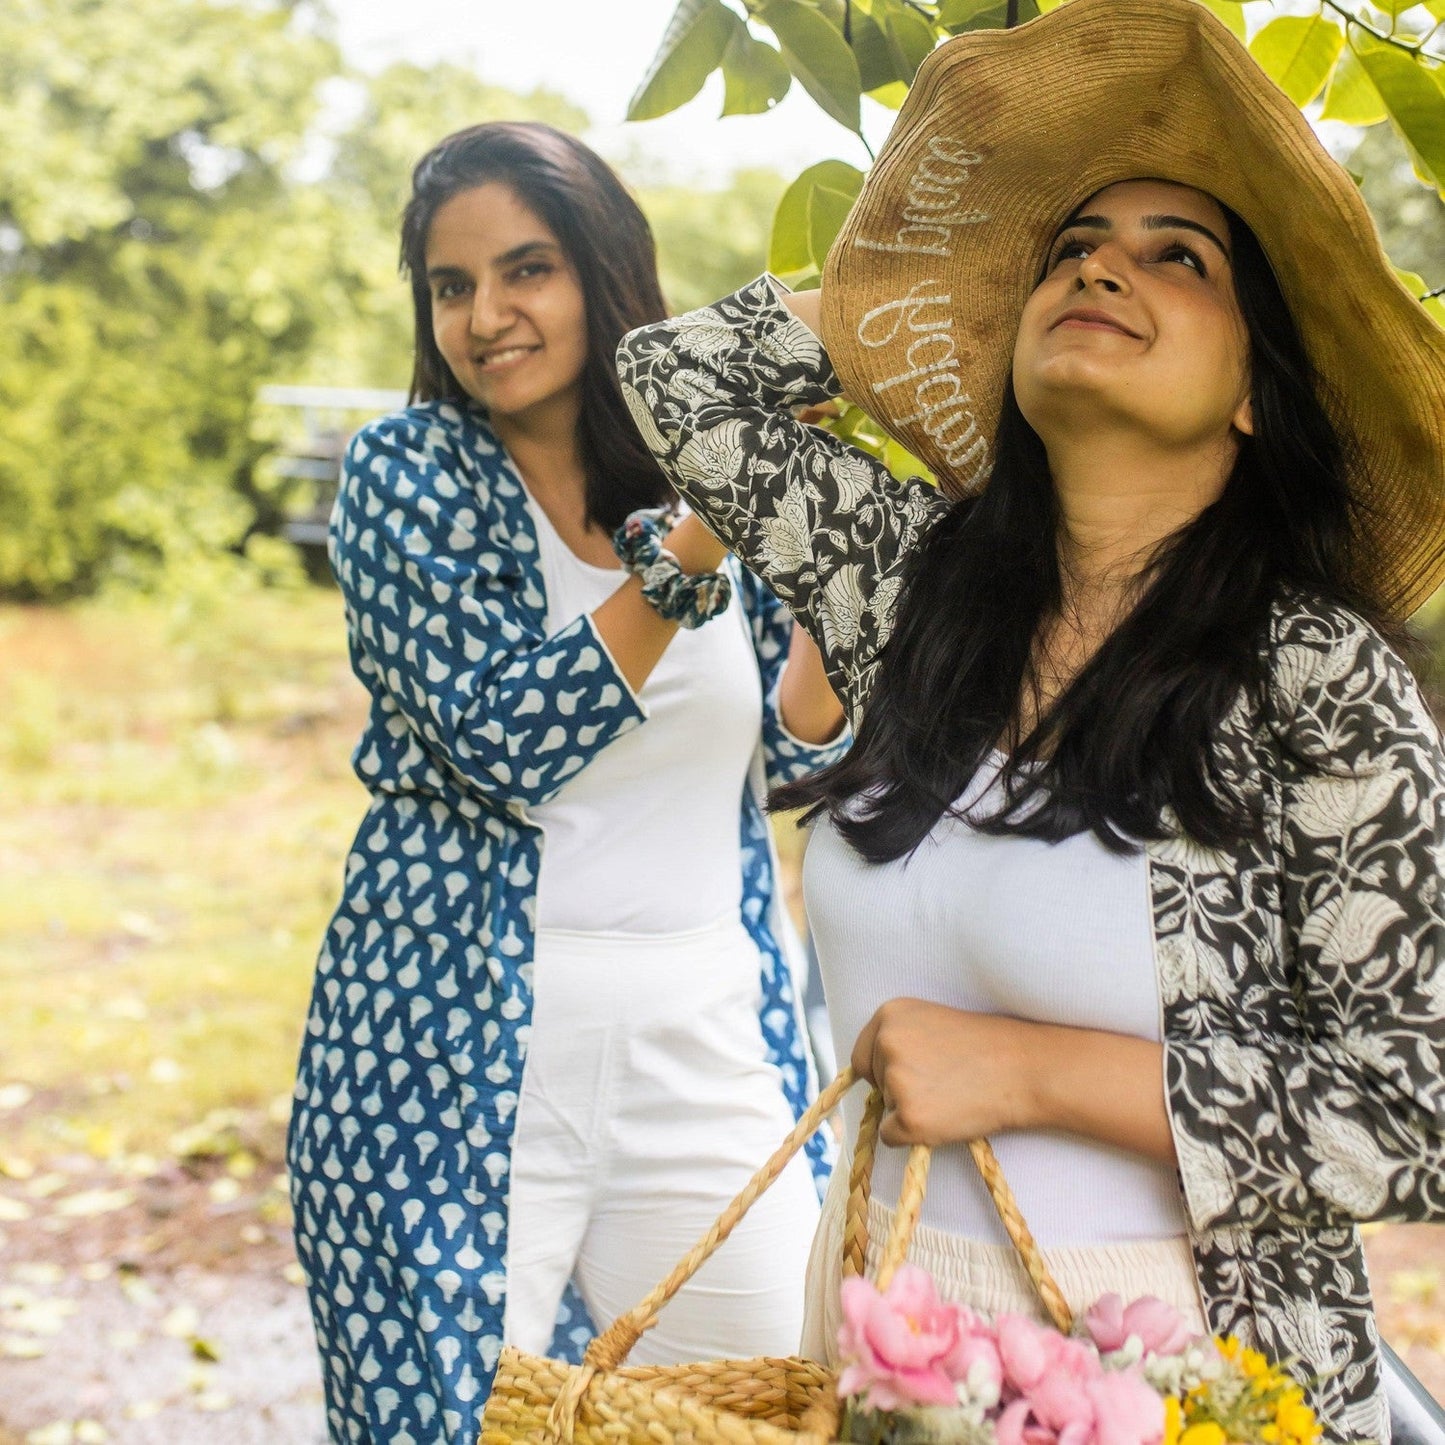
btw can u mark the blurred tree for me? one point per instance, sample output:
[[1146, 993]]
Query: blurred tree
[[154, 262], [710, 242], [1411, 218]]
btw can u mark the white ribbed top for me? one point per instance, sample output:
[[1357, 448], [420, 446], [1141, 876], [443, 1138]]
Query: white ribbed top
[[646, 838], [1054, 932]]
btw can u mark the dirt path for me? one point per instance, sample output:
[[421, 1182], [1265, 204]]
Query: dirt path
[[153, 1314]]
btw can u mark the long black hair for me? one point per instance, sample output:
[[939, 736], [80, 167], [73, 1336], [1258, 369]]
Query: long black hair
[[1133, 734], [604, 235]]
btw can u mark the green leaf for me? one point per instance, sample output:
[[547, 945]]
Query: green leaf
[[693, 46], [819, 56], [1416, 102], [809, 215], [1298, 52], [1352, 96], [1228, 11], [872, 52], [910, 39], [1434, 305], [956, 16], [892, 95], [756, 76]]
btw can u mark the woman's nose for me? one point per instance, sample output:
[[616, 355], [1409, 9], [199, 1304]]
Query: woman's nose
[[1104, 269], [491, 315]]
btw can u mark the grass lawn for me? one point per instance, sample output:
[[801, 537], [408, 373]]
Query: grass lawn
[[177, 805]]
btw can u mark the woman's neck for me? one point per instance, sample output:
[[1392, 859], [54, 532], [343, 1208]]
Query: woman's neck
[[1119, 497], [544, 446], [547, 451]]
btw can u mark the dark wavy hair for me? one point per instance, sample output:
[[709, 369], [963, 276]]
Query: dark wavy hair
[[607, 239], [1134, 732]]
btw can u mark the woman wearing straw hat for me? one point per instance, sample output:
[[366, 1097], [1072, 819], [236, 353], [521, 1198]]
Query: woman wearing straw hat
[[1135, 865]]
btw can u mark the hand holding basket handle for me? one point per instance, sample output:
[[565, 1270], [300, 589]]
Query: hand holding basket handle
[[750, 1402]]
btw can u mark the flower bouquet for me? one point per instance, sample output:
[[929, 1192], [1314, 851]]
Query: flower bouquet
[[920, 1371]]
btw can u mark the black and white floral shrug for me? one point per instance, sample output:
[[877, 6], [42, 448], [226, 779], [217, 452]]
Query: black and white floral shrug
[[1301, 978]]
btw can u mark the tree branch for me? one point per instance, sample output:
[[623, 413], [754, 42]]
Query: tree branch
[[1385, 38], [1012, 17]]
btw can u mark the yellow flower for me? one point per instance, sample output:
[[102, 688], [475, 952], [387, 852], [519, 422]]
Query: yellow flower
[[1297, 1420], [1205, 1433], [1254, 1364], [1173, 1420]]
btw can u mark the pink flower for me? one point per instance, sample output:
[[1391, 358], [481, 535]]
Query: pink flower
[[896, 1343], [1159, 1326], [975, 1359], [1074, 1406], [1127, 1410], [1027, 1351]]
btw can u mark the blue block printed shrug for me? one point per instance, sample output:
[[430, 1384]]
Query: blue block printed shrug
[[416, 1042]]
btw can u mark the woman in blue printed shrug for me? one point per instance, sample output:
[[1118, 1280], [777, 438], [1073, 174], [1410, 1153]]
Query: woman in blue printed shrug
[[553, 1028]]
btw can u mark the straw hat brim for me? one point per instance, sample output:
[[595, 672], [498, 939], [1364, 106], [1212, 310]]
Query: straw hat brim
[[1004, 133]]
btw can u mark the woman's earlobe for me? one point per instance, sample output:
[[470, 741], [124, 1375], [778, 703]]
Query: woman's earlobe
[[1243, 418]]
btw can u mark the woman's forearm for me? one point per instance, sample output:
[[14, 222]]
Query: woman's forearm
[[810, 708], [807, 306], [1103, 1086], [949, 1076]]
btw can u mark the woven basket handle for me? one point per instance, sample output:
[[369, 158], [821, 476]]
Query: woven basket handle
[[910, 1203], [613, 1345]]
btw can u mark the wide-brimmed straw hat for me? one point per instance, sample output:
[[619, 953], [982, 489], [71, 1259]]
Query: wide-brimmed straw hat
[[1004, 134]]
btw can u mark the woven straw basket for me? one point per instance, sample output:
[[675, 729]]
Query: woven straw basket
[[761, 1401]]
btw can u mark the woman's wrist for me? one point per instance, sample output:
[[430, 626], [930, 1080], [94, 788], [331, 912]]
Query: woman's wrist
[[676, 593], [695, 548]]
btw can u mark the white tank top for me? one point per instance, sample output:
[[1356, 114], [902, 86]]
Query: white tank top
[[646, 838], [1053, 932]]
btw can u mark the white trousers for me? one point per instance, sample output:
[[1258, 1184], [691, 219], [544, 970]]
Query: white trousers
[[646, 1104]]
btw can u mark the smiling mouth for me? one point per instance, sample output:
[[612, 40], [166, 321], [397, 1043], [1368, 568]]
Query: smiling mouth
[[1094, 321], [504, 356]]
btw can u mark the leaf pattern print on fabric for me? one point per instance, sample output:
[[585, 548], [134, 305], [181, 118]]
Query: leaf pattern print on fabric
[[1302, 974], [1333, 948], [792, 501]]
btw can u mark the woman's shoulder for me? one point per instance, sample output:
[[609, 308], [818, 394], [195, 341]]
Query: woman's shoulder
[[1336, 683], [428, 434], [430, 445]]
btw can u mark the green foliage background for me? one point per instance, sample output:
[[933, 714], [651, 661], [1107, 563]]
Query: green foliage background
[[183, 219], [200, 198]]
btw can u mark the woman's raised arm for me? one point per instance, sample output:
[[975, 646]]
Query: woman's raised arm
[[825, 525]]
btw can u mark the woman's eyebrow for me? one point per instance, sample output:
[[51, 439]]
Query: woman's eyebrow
[[1170, 223], [520, 253], [1150, 223]]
